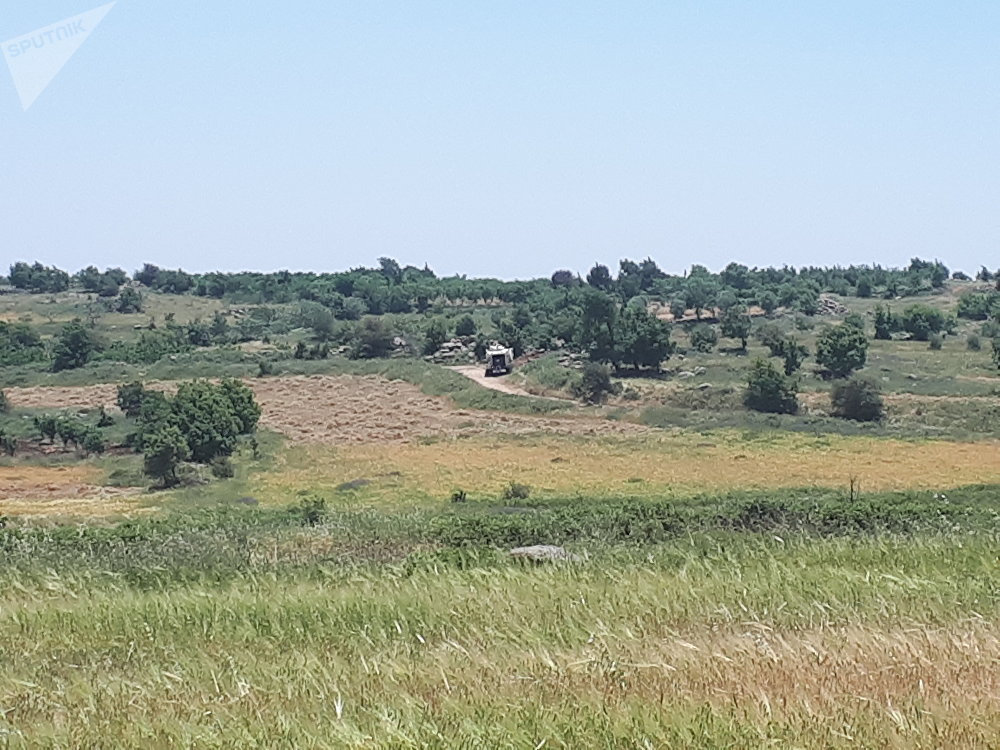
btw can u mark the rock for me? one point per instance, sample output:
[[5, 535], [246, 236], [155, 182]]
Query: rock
[[699, 371], [911, 376], [704, 386], [544, 553], [685, 374]]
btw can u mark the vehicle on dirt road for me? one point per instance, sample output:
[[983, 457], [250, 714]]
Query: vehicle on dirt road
[[499, 360]]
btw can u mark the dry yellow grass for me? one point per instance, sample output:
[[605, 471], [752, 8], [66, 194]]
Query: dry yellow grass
[[683, 463], [60, 490]]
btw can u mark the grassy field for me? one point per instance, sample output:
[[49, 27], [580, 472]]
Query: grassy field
[[249, 628], [740, 580]]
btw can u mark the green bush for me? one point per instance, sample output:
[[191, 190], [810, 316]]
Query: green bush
[[465, 326], [595, 384], [164, 449], [972, 343], [4, 403], [703, 338], [935, 341], [859, 398], [222, 467], [920, 321], [769, 390]]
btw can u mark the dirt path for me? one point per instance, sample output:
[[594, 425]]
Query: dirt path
[[477, 374]]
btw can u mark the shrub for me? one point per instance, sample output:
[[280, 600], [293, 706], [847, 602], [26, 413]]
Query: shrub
[[74, 348], [92, 441], [736, 324], [972, 343], [222, 467], [312, 510], [920, 321], [130, 397], [703, 337], [768, 390], [435, 334], [996, 351], [935, 341], [595, 384], [792, 354], [4, 403], [465, 326], [842, 349], [8, 443], [516, 491], [858, 398]]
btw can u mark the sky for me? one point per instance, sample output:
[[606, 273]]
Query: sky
[[507, 139]]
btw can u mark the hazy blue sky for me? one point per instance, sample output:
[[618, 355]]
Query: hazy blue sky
[[508, 138]]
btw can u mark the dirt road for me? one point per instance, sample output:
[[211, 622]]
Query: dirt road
[[477, 374]]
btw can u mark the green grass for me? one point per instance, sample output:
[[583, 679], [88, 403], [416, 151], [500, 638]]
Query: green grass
[[244, 627]]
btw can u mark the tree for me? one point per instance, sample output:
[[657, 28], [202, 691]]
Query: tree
[[466, 326], [435, 334], [597, 326], [842, 349], [204, 414], [600, 277], [242, 401], [129, 301], [595, 383], [768, 301], [920, 321], [147, 274], [884, 323], [792, 354], [996, 351], [74, 348], [391, 270], [770, 391], [130, 398], [164, 448], [859, 398], [563, 278], [4, 403], [372, 340], [736, 324], [698, 294], [703, 337], [643, 340]]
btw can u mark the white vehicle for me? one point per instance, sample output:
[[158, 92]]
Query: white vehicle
[[499, 360]]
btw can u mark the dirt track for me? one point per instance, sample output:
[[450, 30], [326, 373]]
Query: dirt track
[[477, 374], [348, 409]]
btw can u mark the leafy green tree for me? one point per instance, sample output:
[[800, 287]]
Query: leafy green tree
[[736, 324], [129, 301], [884, 323], [699, 293], [164, 449], [768, 390], [792, 353], [597, 326], [372, 340], [842, 349], [996, 351], [74, 348], [768, 301], [243, 403], [465, 326], [206, 418], [435, 334], [920, 321], [703, 337], [4, 403], [678, 308], [642, 340], [595, 383], [19, 344], [600, 278]]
